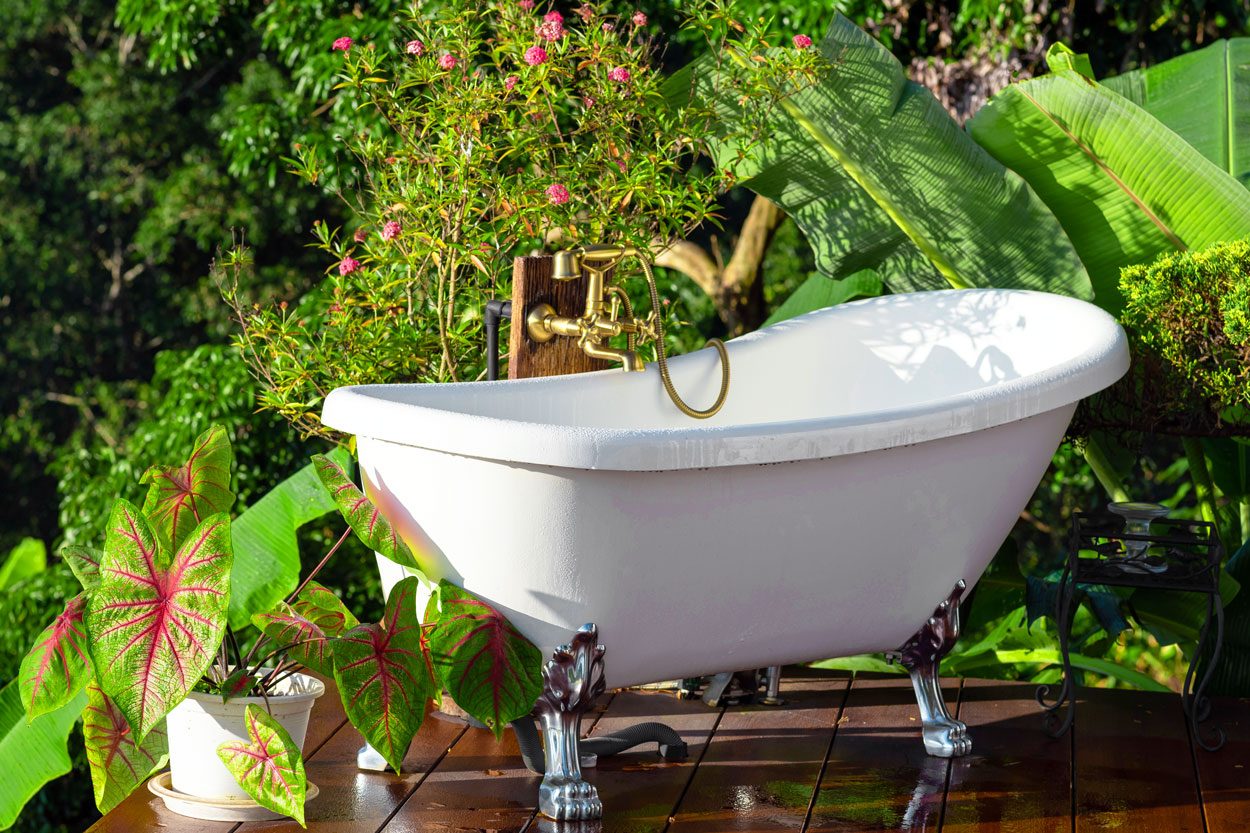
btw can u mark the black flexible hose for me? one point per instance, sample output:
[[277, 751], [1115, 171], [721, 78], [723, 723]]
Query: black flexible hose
[[671, 746]]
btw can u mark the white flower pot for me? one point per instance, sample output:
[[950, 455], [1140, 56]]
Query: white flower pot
[[202, 722]]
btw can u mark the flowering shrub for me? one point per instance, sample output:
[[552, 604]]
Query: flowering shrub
[[507, 130]]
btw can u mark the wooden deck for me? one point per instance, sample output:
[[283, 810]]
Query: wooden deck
[[842, 755]]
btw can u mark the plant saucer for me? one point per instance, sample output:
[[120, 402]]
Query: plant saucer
[[214, 809]]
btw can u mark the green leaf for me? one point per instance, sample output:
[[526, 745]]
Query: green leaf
[[1230, 466], [118, 764], [155, 623], [58, 667], [1124, 186], [180, 497], [861, 662], [491, 670], [316, 615], [1051, 656], [877, 174], [1177, 617], [25, 560], [819, 292], [1204, 96], [84, 563], [269, 766], [266, 549], [35, 753], [384, 677], [365, 519]]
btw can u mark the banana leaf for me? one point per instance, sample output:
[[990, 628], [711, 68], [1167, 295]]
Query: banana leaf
[[34, 752], [266, 549], [1232, 673], [878, 175], [818, 292], [1125, 187], [1204, 96]]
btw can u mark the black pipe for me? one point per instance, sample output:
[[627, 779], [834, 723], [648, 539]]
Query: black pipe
[[495, 310], [671, 746]]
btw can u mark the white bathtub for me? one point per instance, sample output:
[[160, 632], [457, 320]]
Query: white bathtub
[[868, 457]]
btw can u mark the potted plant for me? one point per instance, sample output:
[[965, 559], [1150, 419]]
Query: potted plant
[[167, 678]]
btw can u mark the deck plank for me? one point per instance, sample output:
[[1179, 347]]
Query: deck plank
[[878, 776], [1225, 774], [763, 764], [1017, 779], [1134, 768]]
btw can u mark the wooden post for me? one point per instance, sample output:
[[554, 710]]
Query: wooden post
[[532, 285]]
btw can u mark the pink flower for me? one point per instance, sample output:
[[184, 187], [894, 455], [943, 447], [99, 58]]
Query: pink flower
[[415, 47], [360, 235], [526, 4], [535, 55], [390, 230], [802, 41], [620, 164], [588, 101], [510, 82], [557, 194], [448, 61], [639, 19], [552, 27], [619, 75], [348, 265], [336, 307], [342, 44], [609, 27]]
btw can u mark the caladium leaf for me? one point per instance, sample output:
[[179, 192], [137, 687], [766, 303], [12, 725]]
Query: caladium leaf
[[269, 766], [383, 675], [365, 519], [155, 623], [118, 762], [491, 670], [59, 665], [316, 615], [84, 562], [180, 497]]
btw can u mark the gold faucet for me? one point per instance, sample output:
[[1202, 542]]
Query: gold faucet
[[602, 319]]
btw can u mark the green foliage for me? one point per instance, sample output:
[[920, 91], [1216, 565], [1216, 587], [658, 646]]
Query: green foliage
[[36, 751], [1091, 153], [28, 558], [1191, 312], [862, 202], [565, 138]]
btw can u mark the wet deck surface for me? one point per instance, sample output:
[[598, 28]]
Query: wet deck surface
[[842, 755]]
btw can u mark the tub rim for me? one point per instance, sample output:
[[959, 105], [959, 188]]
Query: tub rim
[[358, 410]]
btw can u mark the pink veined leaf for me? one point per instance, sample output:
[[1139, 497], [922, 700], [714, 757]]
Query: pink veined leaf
[[118, 764], [383, 677], [319, 604], [491, 670], [305, 627], [84, 562], [59, 665], [269, 766], [365, 519], [156, 623], [237, 684], [180, 497]]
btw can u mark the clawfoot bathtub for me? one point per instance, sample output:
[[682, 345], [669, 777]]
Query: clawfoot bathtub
[[870, 458]]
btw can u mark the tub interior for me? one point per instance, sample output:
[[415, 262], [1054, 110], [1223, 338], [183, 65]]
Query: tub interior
[[878, 355]]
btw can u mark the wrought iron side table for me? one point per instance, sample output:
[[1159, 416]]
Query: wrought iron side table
[[1121, 550]]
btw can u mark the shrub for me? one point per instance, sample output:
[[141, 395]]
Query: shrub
[[1188, 320]]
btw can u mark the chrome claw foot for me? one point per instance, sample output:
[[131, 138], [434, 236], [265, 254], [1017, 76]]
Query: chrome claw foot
[[370, 759], [944, 736], [572, 679]]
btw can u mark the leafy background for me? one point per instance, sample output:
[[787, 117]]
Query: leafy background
[[136, 136]]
